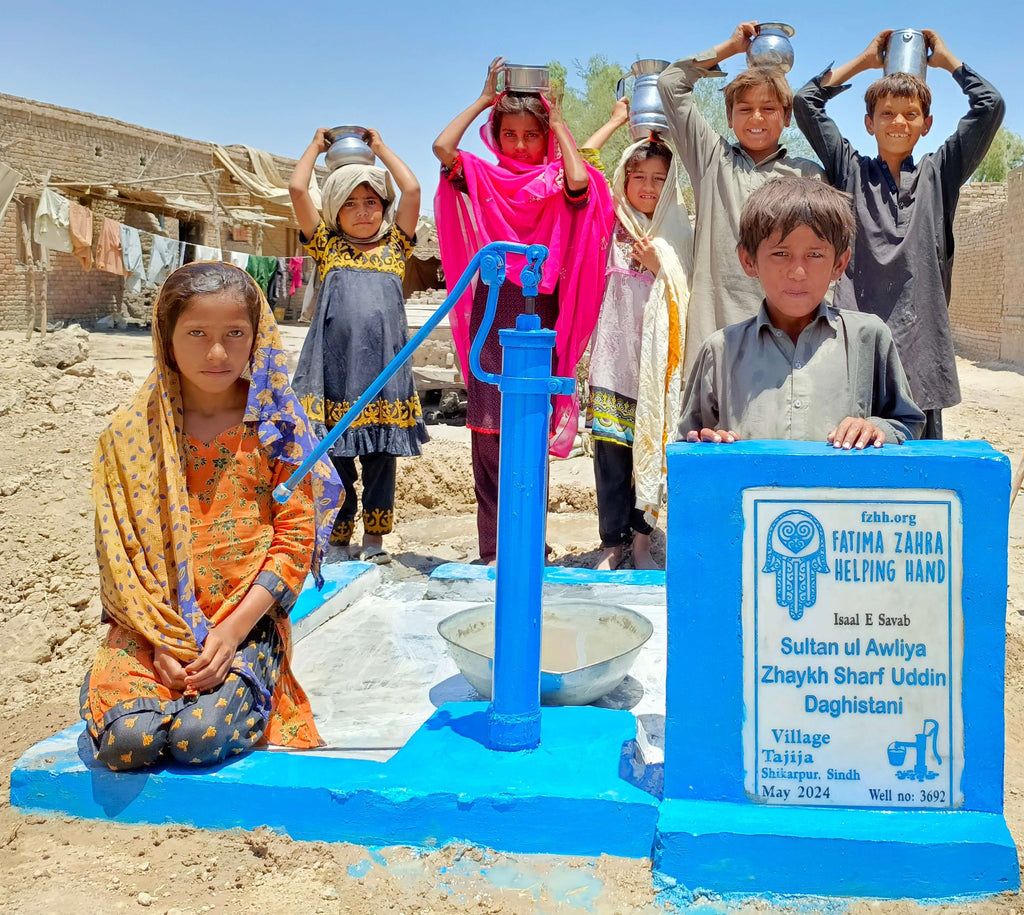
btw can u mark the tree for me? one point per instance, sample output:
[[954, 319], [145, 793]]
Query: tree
[[587, 109], [1004, 155]]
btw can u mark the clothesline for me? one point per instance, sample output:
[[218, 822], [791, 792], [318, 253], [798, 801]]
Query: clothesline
[[65, 225]]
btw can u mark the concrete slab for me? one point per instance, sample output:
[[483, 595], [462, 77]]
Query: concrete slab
[[377, 671], [565, 797], [382, 685]]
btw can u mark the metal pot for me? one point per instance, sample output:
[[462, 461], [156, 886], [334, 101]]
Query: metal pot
[[646, 115], [348, 147], [520, 78], [771, 46], [907, 53]]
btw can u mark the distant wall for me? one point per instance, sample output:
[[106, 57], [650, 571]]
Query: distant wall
[[987, 306], [75, 146]]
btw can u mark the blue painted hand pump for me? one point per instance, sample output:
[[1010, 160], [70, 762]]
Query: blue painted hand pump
[[535, 255], [526, 387]]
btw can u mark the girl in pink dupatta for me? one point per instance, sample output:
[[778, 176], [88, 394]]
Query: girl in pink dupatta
[[539, 192]]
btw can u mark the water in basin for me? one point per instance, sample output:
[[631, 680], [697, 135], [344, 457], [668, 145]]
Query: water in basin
[[587, 648]]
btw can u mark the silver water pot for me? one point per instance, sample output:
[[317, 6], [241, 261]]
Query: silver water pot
[[348, 147], [771, 46], [907, 53], [646, 116], [522, 78]]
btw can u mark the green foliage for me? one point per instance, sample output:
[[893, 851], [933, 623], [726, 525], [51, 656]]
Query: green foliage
[[1004, 155], [586, 109]]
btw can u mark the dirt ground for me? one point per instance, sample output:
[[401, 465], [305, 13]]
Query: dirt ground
[[49, 626]]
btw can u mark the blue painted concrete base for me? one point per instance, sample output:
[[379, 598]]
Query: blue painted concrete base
[[754, 850], [565, 797], [466, 581]]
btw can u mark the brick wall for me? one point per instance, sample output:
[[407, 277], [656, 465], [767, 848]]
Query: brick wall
[[987, 304], [976, 306], [1013, 288], [93, 152]]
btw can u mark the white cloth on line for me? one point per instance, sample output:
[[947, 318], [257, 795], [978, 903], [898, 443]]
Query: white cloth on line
[[131, 251], [238, 258], [164, 259], [9, 180], [53, 222], [206, 253]]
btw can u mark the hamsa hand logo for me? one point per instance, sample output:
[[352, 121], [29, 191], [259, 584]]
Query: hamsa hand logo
[[795, 552]]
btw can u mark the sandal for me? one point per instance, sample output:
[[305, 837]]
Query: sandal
[[375, 554]]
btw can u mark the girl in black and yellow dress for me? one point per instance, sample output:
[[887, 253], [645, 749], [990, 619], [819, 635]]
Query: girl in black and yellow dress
[[360, 239]]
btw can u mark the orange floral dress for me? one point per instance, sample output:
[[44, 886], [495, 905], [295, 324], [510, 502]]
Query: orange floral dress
[[239, 535], [184, 530]]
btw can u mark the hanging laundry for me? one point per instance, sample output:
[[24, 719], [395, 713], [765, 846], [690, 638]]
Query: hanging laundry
[[9, 180], [81, 234], [294, 274], [131, 250], [238, 258], [109, 256], [164, 259], [206, 253], [277, 292], [53, 222], [262, 269]]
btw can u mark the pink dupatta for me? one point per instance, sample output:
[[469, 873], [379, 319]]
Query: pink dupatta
[[521, 203]]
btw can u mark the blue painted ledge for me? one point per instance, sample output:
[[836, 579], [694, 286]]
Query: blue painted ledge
[[466, 581], [754, 850], [566, 797], [344, 584]]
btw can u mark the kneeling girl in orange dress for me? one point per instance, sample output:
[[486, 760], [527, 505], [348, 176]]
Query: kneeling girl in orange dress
[[198, 564]]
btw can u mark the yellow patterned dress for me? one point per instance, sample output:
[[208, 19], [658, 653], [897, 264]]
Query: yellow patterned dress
[[358, 328]]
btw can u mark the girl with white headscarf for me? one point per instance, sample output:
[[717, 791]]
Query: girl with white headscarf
[[360, 238], [636, 359]]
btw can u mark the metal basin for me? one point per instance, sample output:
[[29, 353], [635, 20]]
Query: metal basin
[[587, 648]]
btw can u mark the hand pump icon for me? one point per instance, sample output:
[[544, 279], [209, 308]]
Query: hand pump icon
[[898, 752]]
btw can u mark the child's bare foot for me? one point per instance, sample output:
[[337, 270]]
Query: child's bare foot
[[611, 559], [642, 558]]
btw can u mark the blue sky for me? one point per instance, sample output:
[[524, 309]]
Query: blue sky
[[267, 75]]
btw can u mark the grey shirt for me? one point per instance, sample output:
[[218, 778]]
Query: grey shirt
[[902, 262], [752, 379], [723, 176]]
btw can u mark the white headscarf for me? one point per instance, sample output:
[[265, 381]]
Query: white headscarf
[[339, 187], [663, 337]]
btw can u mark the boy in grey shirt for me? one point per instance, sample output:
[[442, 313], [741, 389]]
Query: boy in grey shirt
[[800, 369], [758, 104]]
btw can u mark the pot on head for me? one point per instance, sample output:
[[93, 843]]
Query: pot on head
[[646, 115], [348, 147], [771, 46], [521, 78], [907, 53]]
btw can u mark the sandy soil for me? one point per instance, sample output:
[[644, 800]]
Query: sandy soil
[[49, 422]]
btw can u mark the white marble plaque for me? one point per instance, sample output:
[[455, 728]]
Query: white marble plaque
[[852, 647]]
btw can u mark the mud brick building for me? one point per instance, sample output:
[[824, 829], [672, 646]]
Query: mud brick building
[[155, 181], [987, 306]]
